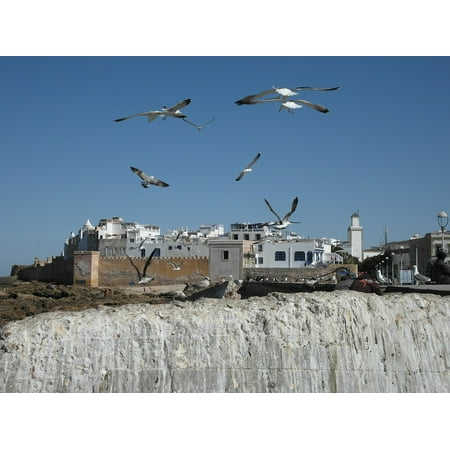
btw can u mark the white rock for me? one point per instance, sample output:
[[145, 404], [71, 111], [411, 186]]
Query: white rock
[[342, 341]]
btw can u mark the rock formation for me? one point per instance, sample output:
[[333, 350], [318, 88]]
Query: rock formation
[[342, 341]]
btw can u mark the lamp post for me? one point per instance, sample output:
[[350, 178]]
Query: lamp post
[[442, 221]]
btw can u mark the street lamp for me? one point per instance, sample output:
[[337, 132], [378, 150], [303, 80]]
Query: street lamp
[[442, 221]]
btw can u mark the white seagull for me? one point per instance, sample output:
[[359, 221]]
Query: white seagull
[[173, 111], [199, 127], [282, 222], [248, 168], [381, 278], [148, 180], [283, 97], [419, 277], [174, 265], [142, 278]]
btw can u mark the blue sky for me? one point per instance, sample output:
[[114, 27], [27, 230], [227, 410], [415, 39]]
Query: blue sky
[[382, 150]]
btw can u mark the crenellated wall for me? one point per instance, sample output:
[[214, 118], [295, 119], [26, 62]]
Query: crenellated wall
[[57, 270], [120, 272]]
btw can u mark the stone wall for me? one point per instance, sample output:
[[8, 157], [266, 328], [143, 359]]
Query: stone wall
[[120, 272], [86, 268], [58, 270], [293, 275]]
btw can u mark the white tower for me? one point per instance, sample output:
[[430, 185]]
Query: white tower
[[355, 237]]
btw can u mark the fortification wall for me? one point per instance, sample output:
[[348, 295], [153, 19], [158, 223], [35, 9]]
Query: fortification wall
[[58, 271], [296, 274], [119, 271]]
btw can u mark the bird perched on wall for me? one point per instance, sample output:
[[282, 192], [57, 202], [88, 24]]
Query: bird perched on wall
[[420, 279], [381, 278], [142, 276], [284, 222], [248, 169], [148, 180], [283, 98]]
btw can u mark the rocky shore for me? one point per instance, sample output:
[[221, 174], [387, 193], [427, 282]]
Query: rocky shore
[[19, 300]]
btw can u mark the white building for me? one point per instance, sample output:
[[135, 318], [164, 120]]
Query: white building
[[248, 232], [183, 247], [211, 231], [116, 237], [354, 245], [294, 253]]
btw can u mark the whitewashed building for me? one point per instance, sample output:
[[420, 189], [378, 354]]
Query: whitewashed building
[[293, 253], [354, 245], [116, 237]]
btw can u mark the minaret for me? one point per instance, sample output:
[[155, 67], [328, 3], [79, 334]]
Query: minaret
[[355, 237]]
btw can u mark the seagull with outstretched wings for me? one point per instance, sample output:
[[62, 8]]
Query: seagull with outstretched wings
[[175, 266], [164, 112], [248, 168], [283, 97], [199, 127], [142, 276], [148, 180], [284, 222]]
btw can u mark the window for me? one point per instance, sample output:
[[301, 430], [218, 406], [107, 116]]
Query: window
[[260, 247], [280, 256], [257, 237], [260, 260], [235, 237], [246, 237], [225, 255], [310, 257], [299, 256]]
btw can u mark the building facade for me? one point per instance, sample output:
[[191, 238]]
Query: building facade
[[292, 253]]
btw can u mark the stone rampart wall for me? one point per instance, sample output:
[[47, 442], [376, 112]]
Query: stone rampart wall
[[119, 271], [58, 271], [295, 274]]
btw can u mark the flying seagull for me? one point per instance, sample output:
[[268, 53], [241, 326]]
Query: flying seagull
[[248, 168], [148, 180], [174, 265], [173, 111], [283, 97], [142, 278], [282, 222], [199, 127]]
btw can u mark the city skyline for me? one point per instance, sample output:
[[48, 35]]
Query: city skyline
[[381, 150], [87, 100]]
